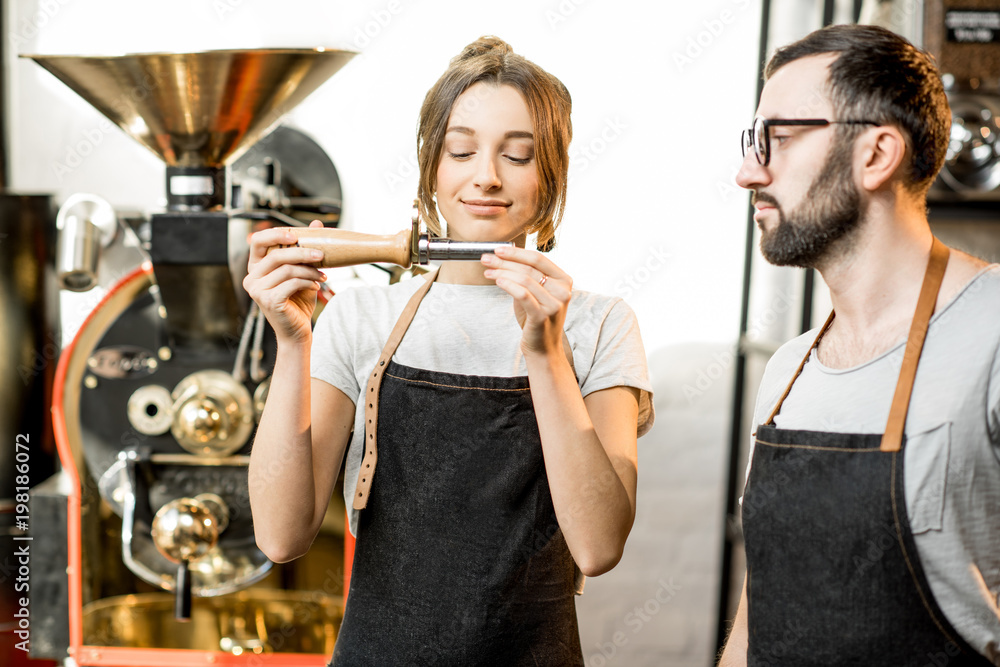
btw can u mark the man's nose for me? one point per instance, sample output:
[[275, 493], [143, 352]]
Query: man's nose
[[752, 174]]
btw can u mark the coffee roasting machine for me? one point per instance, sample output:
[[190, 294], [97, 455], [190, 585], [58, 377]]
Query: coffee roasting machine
[[156, 398]]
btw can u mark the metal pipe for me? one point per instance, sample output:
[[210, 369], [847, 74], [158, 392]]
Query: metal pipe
[[87, 224], [736, 434]]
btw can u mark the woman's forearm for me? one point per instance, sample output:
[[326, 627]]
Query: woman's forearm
[[592, 482], [282, 486]]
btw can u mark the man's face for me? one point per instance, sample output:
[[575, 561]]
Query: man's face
[[806, 199]]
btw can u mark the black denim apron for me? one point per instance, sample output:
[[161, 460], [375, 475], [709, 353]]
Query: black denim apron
[[833, 574], [459, 559]]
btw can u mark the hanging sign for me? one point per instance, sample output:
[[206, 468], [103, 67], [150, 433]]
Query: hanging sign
[[973, 26]]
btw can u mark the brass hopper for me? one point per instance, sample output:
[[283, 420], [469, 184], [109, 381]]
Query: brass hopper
[[152, 409], [197, 109]]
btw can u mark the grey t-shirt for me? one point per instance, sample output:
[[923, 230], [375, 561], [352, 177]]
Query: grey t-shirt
[[952, 446], [467, 330]]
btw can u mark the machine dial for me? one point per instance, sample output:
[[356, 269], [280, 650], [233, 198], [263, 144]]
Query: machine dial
[[213, 414], [150, 410]]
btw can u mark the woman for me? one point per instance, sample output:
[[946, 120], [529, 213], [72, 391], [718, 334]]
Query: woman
[[502, 408]]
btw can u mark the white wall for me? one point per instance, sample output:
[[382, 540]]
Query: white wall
[[661, 92]]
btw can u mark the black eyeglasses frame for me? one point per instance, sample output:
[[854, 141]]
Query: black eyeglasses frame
[[749, 137]]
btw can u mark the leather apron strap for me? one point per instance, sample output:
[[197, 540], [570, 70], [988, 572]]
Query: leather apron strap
[[892, 438], [798, 371], [370, 457]]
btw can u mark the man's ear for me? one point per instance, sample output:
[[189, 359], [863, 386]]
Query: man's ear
[[882, 152]]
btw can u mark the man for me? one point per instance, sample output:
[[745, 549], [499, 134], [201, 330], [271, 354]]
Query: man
[[872, 506]]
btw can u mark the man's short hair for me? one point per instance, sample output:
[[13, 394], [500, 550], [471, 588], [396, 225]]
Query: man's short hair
[[882, 77]]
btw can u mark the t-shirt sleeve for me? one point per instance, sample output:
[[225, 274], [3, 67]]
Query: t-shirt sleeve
[[620, 361], [333, 348]]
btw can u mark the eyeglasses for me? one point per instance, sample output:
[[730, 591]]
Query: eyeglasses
[[758, 137]]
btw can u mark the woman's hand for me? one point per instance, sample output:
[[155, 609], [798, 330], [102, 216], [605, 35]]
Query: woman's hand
[[281, 284], [541, 292]]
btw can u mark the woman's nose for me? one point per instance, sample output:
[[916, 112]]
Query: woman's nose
[[486, 173]]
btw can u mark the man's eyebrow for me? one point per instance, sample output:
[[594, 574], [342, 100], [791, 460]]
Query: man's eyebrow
[[513, 134]]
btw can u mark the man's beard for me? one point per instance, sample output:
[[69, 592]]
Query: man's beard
[[829, 214]]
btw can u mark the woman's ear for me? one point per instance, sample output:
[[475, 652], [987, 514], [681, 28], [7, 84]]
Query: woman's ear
[[883, 153]]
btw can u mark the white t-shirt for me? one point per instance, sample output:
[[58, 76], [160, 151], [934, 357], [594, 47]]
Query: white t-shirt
[[467, 330], [952, 450]]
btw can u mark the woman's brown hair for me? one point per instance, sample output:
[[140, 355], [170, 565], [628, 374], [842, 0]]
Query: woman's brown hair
[[491, 60]]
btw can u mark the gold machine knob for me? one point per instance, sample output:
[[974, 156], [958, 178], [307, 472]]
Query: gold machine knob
[[213, 413]]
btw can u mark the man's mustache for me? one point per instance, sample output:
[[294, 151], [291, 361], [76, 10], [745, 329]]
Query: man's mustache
[[763, 197]]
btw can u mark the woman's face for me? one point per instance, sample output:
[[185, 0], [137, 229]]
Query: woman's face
[[487, 185]]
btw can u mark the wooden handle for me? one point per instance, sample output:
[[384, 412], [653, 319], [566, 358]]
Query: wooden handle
[[344, 248]]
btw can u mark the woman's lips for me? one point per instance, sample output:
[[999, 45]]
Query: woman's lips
[[484, 206]]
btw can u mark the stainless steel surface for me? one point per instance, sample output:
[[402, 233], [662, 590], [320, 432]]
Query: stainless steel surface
[[78, 255], [197, 109], [973, 161], [448, 250], [87, 224], [425, 249]]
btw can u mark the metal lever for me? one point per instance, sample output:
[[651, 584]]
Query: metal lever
[[182, 599]]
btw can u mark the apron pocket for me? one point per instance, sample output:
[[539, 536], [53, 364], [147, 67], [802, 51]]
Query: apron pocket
[[926, 475]]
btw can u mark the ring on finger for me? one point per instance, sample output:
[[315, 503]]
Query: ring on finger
[[541, 281]]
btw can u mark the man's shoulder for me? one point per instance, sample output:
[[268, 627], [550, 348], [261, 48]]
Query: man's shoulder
[[984, 284], [791, 352], [976, 305]]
